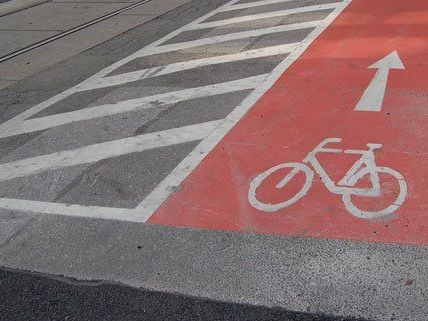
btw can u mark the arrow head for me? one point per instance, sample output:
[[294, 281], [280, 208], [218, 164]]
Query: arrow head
[[392, 61]]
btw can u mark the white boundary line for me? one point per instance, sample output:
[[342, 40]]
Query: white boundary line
[[158, 196], [75, 210]]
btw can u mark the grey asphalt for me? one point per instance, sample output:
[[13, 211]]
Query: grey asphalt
[[315, 276], [29, 296]]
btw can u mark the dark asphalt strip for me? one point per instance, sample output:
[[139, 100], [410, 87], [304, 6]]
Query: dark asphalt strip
[[29, 296]]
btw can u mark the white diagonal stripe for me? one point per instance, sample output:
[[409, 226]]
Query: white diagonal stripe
[[94, 153], [264, 15], [229, 37], [186, 65], [252, 4], [36, 124]]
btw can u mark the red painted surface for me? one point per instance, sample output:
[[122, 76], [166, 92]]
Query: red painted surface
[[313, 100]]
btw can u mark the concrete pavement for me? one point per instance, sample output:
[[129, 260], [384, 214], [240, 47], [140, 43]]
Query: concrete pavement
[[87, 141], [57, 30]]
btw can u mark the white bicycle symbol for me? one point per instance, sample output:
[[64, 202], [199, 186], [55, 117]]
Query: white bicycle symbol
[[346, 187]]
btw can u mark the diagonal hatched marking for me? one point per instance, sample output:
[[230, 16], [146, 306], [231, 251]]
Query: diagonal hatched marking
[[146, 51], [102, 73]]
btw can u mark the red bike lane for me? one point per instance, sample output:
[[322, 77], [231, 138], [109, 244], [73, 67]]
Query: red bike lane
[[364, 80]]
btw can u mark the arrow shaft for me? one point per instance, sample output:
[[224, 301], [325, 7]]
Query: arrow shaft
[[372, 98]]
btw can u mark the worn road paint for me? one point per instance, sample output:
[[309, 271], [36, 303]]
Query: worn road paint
[[313, 100], [372, 98]]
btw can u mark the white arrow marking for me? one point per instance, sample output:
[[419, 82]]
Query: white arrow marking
[[372, 98]]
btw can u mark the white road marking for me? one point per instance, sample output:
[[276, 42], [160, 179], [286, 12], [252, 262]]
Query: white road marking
[[75, 210], [365, 166], [296, 168], [372, 98], [18, 119], [186, 65], [97, 152], [230, 37], [264, 15], [36, 124], [253, 4], [155, 199]]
